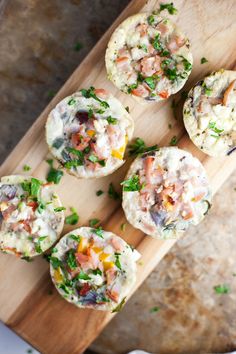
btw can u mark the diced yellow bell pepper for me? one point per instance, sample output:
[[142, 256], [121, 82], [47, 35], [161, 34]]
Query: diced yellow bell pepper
[[82, 246], [119, 154], [97, 249], [3, 206], [103, 256], [91, 132], [108, 265], [58, 276]]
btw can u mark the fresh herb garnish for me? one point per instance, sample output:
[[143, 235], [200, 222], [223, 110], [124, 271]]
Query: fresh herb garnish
[[132, 184], [71, 102], [171, 74], [54, 175], [154, 309], [120, 306], [151, 20], [73, 163], [204, 60], [73, 218], [139, 147], [113, 194], [41, 207], [111, 120], [151, 82], [26, 168], [97, 271], [26, 186], [93, 222], [35, 187], [55, 262], [221, 289], [95, 159], [99, 192], [75, 238], [117, 262], [82, 276], [123, 226], [132, 87], [212, 126], [208, 90], [187, 64], [38, 248], [174, 141], [127, 109], [157, 44], [58, 209], [91, 93], [71, 259], [98, 232], [78, 46], [169, 7]]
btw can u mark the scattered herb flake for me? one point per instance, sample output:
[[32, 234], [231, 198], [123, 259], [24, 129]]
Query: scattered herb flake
[[132, 184], [127, 109], [99, 192], [71, 102], [91, 93], [111, 120], [26, 168], [113, 194], [58, 209], [35, 187], [117, 262], [98, 232], [151, 20], [71, 259], [120, 306], [204, 60], [154, 309], [174, 141], [97, 271], [93, 222], [78, 46], [221, 289], [169, 7], [139, 147], [73, 218], [54, 175], [75, 237]]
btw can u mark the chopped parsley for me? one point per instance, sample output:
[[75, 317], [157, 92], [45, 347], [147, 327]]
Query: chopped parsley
[[113, 194], [120, 306], [78, 46], [132, 184], [71, 102], [95, 159], [221, 289], [73, 218], [75, 238], [58, 209], [123, 226], [212, 126], [58, 142], [171, 74], [169, 7], [111, 120], [139, 147], [35, 187], [97, 271], [82, 275], [151, 20], [151, 82], [157, 44], [26, 168], [98, 232], [187, 64], [71, 259], [154, 309], [117, 262], [132, 87], [174, 141], [208, 90], [99, 192], [54, 175], [91, 93], [143, 47], [41, 207], [93, 222], [55, 262], [127, 109], [37, 246], [204, 60]]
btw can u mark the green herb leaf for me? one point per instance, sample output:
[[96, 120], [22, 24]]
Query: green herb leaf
[[83, 276], [41, 207], [132, 87], [120, 306], [187, 64], [54, 175], [113, 194], [91, 93], [57, 143], [26, 168], [98, 232], [26, 186], [171, 74], [93, 222], [117, 262], [73, 218], [97, 271], [155, 309], [99, 192], [35, 187], [174, 141], [132, 184], [204, 60], [78, 46], [123, 226], [139, 147], [157, 44], [221, 289], [75, 237], [151, 20], [212, 126], [71, 259], [73, 163], [111, 120], [127, 109], [169, 7], [151, 82], [71, 102], [58, 209]]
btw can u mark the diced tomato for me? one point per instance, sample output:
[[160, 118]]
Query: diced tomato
[[140, 91], [85, 289], [33, 205], [79, 142], [163, 94], [101, 93], [26, 225]]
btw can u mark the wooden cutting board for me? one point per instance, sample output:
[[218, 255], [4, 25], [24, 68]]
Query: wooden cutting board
[[26, 303]]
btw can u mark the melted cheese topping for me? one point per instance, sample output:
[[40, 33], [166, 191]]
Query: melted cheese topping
[[171, 192], [210, 113], [93, 268], [148, 57]]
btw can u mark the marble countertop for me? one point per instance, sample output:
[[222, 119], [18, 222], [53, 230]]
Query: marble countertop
[[36, 57]]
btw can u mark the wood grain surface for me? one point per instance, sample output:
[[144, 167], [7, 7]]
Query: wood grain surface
[[28, 302]]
